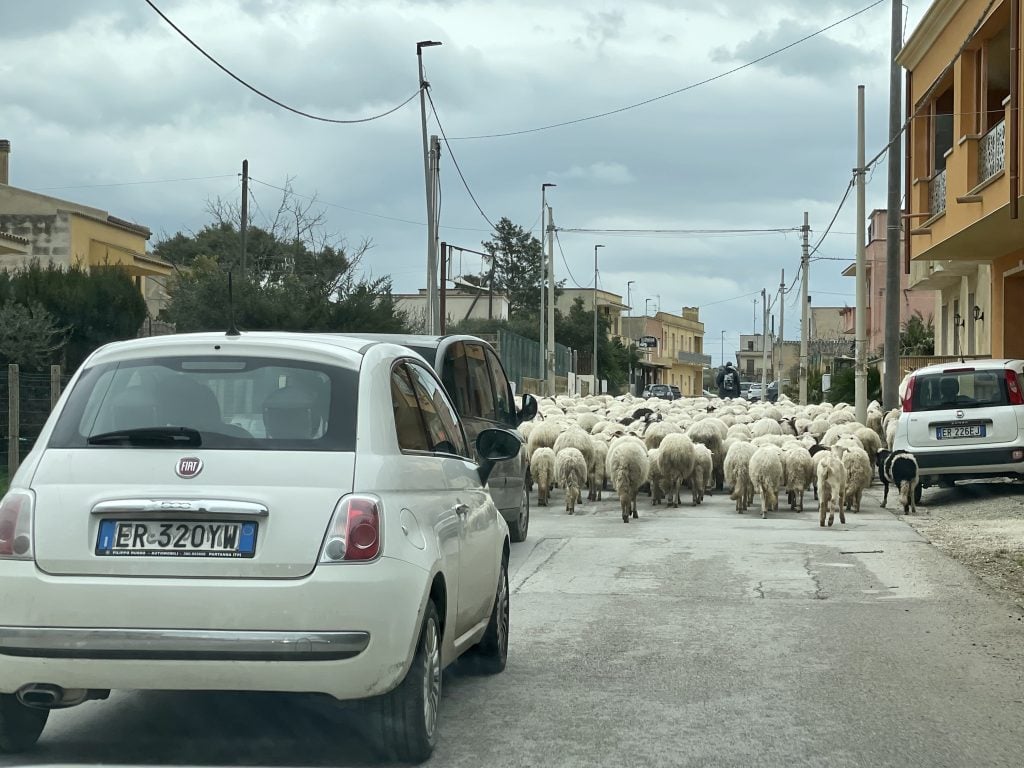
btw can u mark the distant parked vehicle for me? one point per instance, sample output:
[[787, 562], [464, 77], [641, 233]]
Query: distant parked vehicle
[[660, 391]]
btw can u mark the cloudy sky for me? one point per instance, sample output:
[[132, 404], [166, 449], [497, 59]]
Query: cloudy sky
[[101, 94]]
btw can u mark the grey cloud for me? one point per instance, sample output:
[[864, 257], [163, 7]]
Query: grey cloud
[[820, 57]]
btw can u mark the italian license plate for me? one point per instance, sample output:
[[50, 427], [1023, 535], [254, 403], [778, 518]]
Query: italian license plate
[[177, 538], [953, 433]]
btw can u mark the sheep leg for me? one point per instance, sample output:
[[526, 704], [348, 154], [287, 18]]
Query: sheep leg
[[624, 503], [635, 515], [885, 491], [842, 516], [822, 508], [856, 503]]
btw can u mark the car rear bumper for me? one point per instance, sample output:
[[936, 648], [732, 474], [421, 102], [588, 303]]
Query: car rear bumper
[[179, 644], [970, 462], [347, 630]]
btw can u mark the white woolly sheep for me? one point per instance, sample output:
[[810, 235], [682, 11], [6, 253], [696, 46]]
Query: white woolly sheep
[[870, 441], [737, 473], [574, 437], [711, 432], [765, 426], [542, 469], [676, 460], [859, 471], [655, 477], [656, 432], [597, 464], [628, 466], [571, 470], [703, 472], [799, 467], [766, 475], [831, 476], [587, 421]]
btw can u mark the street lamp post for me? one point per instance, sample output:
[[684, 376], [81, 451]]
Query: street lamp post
[[543, 281], [596, 386], [432, 292], [629, 314], [723, 347]]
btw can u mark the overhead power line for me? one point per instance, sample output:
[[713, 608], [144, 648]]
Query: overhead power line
[[685, 88], [579, 230], [263, 95], [566, 263], [134, 183], [456, 162]]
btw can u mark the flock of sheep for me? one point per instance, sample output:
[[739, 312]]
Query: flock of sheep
[[660, 446]]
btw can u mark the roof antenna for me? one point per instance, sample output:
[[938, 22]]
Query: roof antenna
[[232, 328]]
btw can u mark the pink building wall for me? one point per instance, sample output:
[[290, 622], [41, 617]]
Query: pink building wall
[[910, 301]]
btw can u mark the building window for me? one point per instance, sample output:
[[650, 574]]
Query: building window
[[750, 346], [750, 366]]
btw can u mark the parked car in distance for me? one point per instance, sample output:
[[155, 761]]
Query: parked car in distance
[[753, 393], [258, 512], [676, 393], [660, 391], [475, 380], [964, 420]]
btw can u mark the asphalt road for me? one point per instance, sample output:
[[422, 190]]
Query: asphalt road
[[688, 637]]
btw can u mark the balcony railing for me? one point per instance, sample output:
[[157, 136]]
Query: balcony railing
[[937, 193], [694, 357], [992, 152]]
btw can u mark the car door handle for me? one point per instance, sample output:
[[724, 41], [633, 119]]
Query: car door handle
[[461, 510]]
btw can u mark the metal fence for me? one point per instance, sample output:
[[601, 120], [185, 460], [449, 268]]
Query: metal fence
[[521, 358], [26, 399]]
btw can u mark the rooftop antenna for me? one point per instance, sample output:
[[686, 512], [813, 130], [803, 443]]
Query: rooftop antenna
[[232, 328]]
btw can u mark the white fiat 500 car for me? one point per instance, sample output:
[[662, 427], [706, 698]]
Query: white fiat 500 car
[[964, 420], [266, 512]]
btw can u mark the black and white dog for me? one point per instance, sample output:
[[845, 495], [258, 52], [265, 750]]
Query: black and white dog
[[899, 468]]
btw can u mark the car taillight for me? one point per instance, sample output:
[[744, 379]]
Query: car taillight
[[16, 525], [1013, 388], [354, 532], [908, 395]]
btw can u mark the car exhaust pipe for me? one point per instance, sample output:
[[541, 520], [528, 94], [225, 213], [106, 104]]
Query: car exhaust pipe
[[47, 696]]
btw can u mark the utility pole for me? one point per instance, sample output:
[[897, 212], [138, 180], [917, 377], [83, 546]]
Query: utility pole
[[542, 368], [428, 180], [804, 309], [597, 387], [780, 344], [629, 346], [551, 303], [764, 345], [243, 226], [891, 382], [433, 302], [861, 372]]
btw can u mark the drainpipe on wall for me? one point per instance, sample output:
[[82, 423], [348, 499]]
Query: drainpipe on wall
[[908, 186], [1014, 137]]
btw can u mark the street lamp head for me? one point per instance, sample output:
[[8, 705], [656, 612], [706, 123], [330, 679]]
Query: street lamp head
[[598, 246], [426, 44], [547, 184]]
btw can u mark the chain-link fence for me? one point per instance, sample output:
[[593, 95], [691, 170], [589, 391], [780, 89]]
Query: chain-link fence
[[26, 399]]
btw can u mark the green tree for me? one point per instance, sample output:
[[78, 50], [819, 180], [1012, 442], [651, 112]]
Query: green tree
[[94, 307], [297, 276], [843, 389], [917, 336], [576, 330], [29, 336], [518, 266]]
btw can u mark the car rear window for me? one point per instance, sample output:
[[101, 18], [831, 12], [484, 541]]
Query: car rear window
[[960, 389], [240, 403]]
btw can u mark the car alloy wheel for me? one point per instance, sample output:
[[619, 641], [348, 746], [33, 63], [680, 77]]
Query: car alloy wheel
[[431, 676], [521, 526]]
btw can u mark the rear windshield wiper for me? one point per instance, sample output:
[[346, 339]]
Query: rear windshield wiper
[[150, 436]]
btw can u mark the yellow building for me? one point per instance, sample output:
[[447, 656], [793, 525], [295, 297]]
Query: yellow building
[[609, 305], [966, 238], [38, 227], [677, 357]]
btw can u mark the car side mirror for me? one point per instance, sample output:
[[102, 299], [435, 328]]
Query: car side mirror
[[494, 445], [529, 409]]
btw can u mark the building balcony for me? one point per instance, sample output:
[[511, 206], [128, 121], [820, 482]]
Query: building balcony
[[694, 358], [937, 193], [992, 152], [936, 275]]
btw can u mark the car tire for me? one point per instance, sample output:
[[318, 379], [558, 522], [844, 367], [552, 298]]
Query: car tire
[[408, 715], [491, 653], [20, 726], [518, 528]]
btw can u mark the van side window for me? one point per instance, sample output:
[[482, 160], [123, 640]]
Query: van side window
[[455, 377], [408, 421], [502, 391], [480, 387], [443, 429]]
